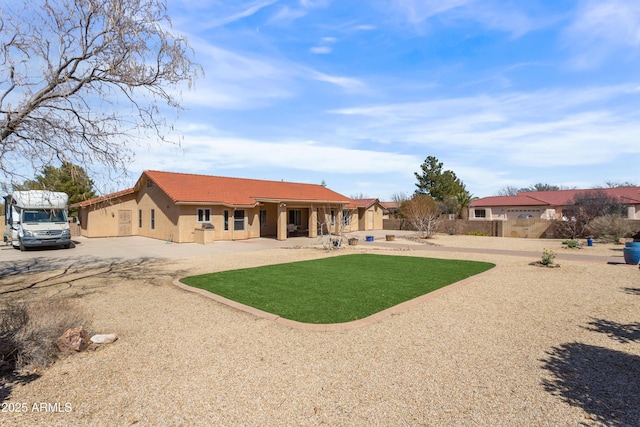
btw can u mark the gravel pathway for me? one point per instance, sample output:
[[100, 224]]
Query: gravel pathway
[[517, 346]]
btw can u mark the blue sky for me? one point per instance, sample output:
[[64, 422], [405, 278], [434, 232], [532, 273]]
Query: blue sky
[[358, 93]]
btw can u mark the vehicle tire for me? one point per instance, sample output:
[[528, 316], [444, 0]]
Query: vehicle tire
[[22, 248], [67, 246]]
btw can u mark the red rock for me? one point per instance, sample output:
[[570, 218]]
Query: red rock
[[73, 340]]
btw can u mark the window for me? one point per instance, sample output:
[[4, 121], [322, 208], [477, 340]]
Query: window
[[333, 217], [295, 217], [204, 215], [139, 218], [153, 219], [226, 220], [480, 213], [346, 217], [238, 220], [263, 218]]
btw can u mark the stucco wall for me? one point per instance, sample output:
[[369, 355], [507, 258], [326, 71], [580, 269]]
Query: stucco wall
[[102, 220], [166, 213]]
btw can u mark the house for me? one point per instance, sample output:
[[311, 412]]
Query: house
[[366, 214], [546, 204], [180, 207], [390, 210]]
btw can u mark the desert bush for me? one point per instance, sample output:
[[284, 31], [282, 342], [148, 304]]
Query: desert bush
[[573, 228], [571, 243], [477, 233], [422, 212], [609, 228], [548, 257], [28, 333]]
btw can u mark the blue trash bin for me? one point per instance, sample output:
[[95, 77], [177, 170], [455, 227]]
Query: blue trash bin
[[589, 241]]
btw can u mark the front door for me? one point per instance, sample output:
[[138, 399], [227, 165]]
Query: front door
[[124, 223]]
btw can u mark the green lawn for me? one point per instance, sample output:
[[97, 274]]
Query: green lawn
[[336, 289]]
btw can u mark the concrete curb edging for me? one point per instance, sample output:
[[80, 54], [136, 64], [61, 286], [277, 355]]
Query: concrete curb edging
[[329, 327]]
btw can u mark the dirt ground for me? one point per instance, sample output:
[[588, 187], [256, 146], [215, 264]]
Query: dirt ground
[[518, 346]]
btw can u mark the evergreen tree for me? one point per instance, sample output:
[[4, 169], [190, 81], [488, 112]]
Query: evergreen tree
[[437, 183], [68, 178]]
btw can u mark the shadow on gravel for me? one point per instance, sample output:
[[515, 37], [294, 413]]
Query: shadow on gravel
[[631, 291], [601, 381], [74, 276], [9, 380], [623, 333]]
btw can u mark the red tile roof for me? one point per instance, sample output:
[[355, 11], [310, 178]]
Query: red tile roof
[[626, 195], [508, 201], [103, 198], [191, 188], [362, 203], [389, 205]]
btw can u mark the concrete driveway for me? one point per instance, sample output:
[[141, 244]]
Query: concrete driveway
[[135, 247], [90, 251]]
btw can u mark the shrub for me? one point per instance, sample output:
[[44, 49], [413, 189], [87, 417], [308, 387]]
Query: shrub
[[477, 233], [609, 228], [422, 212], [548, 257], [571, 243], [28, 333], [573, 228]]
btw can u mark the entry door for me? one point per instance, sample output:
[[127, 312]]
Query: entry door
[[124, 223], [369, 220]]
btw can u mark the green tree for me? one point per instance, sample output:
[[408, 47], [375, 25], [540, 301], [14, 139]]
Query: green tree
[[464, 198], [68, 178], [436, 182]]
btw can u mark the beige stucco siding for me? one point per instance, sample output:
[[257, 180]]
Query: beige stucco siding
[[164, 224], [370, 218], [103, 220]]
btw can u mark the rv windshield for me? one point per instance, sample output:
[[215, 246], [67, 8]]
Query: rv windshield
[[43, 215]]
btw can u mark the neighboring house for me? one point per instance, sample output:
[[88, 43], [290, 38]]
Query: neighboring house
[[177, 207], [546, 204], [366, 214], [390, 210]]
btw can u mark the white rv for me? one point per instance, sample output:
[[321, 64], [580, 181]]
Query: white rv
[[36, 218]]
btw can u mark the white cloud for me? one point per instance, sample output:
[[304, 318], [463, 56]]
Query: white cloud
[[417, 11], [207, 153], [347, 83], [238, 81], [321, 50], [286, 15], [540, 129], [602, 28]]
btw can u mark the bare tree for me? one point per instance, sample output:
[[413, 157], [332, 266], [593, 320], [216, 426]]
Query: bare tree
[[423, 213], [358, 196], [334, 222], [586, 207], [399, 197], [619, 184], [508, 190], [81, 80]]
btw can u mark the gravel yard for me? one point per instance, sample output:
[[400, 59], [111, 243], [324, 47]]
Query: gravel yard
[[517, 346]]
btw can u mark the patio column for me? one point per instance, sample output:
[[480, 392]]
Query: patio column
[[281, 225], [313, 222]]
